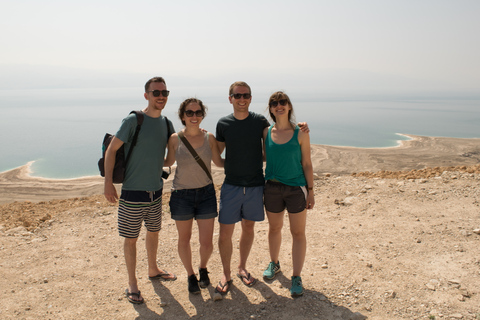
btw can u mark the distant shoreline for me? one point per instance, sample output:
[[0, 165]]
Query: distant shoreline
[[417, 153]]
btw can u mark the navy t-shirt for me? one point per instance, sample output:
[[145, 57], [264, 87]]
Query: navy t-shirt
[[243, 149]]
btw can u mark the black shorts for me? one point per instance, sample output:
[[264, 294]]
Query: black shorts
[[278, 196]]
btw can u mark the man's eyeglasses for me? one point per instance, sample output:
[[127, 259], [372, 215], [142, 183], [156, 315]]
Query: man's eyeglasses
[[156, 93], [190, 113], [239, 95], [282, 102]]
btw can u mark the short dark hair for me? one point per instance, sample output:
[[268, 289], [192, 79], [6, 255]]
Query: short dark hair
[[239, 84], [184, 104], [154, 79]]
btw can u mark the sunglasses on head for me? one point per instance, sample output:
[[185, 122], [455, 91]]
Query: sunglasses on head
[[190, 113], [282, 102], [156, 93], [239, 95]]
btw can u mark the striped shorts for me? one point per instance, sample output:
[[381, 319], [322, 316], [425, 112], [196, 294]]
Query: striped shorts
[[137, 206]]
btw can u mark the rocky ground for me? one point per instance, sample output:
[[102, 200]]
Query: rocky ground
[[384, 245]]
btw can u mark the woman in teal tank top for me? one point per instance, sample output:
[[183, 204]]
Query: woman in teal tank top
[[289, 185]]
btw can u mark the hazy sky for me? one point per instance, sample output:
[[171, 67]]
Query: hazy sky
[[434, 40]]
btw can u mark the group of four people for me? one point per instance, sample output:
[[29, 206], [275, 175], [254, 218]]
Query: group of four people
[[248, 140]]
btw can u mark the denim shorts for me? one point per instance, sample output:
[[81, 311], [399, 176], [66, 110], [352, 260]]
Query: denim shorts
[[278, 196], [200, 203], [237, 203]]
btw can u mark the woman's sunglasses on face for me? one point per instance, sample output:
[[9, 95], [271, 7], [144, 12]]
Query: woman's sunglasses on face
[[156, 93], [190, 113], [282, 102]]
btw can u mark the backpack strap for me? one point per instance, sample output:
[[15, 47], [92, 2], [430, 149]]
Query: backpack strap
[[194, 154], [169, 128], [139, 115]]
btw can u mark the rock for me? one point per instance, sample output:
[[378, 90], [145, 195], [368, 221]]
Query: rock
[[348, 201], [18, 231], [465, 293], [391, 294], [217, 296]]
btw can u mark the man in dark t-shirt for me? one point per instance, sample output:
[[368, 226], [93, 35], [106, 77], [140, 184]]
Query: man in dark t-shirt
[[240, 134]]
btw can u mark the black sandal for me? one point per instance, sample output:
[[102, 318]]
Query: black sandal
[[131, 294], [222, 290]]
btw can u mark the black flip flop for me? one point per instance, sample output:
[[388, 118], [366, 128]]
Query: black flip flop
[[222, 287], [246, 278], [136, 294]]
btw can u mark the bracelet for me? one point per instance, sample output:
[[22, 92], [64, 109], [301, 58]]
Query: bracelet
[[309, 188]]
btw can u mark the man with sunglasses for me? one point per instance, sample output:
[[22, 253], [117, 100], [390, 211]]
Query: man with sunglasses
[[141, 197], [241, 134]]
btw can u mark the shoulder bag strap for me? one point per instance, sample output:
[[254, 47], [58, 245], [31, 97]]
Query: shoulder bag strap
[[194, 154]]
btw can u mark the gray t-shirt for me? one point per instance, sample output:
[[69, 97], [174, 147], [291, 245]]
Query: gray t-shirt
[[145, 166]]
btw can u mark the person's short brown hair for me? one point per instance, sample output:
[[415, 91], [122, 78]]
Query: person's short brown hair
[[239, 84], [154, 79], [184, 104]]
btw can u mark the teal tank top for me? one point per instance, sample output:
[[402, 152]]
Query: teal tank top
[[284, 161]]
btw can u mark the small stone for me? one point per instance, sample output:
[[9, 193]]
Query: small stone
[[217, 296]]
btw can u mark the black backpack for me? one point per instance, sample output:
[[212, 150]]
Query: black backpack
[[120, 161]]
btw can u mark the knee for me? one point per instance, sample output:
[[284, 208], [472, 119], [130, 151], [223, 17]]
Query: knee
[[248, 227], [298, 234], [206, 245], [184, 240], [130, 242], [275, 228]]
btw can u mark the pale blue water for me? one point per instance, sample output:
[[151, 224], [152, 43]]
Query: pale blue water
[[62, 129]]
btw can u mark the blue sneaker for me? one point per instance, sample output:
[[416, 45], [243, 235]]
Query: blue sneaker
[[297, 288], [272, 269]]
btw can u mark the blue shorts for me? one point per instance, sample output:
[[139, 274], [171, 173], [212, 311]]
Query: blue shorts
[[200, 203], [237, 203], [137, 206]]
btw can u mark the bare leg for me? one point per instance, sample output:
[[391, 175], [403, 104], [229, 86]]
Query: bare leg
[[184, 229], [151, 244], [226, 248], [205, 235], [246, 242], [130, 253], [299, 241], [275, 225]]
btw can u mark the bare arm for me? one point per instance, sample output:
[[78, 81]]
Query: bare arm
[[265, 131], [221, 146], [172, 148], [109, 189], [216, 157], [304, 140]]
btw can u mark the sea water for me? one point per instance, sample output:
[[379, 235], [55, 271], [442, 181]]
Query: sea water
[[61, 130]]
